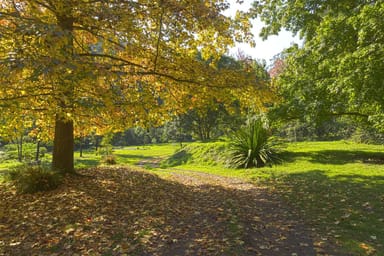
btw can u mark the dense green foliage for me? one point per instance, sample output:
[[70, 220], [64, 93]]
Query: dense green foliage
[[338, 71], [31, 179], [250, 146]]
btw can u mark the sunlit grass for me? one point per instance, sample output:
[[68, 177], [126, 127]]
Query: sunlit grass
[[134, 155], [131, 155]]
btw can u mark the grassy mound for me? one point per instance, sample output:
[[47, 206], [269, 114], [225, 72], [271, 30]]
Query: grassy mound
[[209, 154]]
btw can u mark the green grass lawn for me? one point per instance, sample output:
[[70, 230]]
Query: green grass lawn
[[127, 155], [336, 187]]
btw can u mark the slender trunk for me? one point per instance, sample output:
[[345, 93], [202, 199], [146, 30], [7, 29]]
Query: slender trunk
[[97, 142], [20, 148], [81, 146], [63, 145], [37, 151]]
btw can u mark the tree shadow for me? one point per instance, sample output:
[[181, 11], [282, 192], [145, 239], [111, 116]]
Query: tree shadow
[[118, 211], [178, 158], [337, 157], [348, 207], [84, 162], [131, 158]]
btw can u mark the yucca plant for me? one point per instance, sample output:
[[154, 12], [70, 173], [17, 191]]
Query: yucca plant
[[250, 146]]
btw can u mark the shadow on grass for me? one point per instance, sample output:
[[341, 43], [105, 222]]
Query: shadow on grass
[[84, 162], [117, 211], [349, 208], [132, 159], [179, 158], [335, 156]]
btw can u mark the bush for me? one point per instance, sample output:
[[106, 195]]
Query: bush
[[109, 159], [31, 179], [367, 135], [250, 147]]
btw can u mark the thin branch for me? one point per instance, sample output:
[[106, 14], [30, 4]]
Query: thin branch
[[349, 114], [107, 56], [158, 39], [25, 96], [98, 35], [44, 5]]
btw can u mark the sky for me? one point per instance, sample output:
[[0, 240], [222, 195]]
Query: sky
[[264, 49]]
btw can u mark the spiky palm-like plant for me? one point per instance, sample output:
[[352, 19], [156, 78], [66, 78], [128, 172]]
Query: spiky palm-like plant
[[250, 146]]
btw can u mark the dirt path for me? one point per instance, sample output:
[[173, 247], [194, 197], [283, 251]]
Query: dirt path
[[268, 226], [116, 211]]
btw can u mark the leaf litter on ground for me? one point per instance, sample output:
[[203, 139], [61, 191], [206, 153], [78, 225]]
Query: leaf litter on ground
[[118, 211]]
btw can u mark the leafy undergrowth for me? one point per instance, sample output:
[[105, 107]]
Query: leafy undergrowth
[[116, 211]]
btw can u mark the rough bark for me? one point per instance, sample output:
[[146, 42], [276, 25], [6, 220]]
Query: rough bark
[[63, 145]]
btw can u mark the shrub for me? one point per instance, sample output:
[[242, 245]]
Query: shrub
[[367, 135], [109, 159], [31, 179], [250, 146]]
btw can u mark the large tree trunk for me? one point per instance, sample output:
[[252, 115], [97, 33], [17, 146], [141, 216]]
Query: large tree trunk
[[63, 145]]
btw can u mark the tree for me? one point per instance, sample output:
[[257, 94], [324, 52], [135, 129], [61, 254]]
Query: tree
[[338, 70], [208, 118], [113, 63], [202, 121]]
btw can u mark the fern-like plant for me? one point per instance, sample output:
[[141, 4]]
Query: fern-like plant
[[109, 159], [250, 146], [30, 179]]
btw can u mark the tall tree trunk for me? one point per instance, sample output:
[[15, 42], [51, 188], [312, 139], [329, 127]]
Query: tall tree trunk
[[63, 145]]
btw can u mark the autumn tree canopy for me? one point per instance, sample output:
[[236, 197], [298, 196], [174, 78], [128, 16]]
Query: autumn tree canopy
[[70, 66], [339, 68]]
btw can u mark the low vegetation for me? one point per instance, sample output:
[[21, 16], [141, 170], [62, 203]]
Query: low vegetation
[[250, 146], [34, 178], [109, 159]]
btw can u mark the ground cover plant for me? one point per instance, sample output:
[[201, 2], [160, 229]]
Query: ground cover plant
[[33, 178]]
